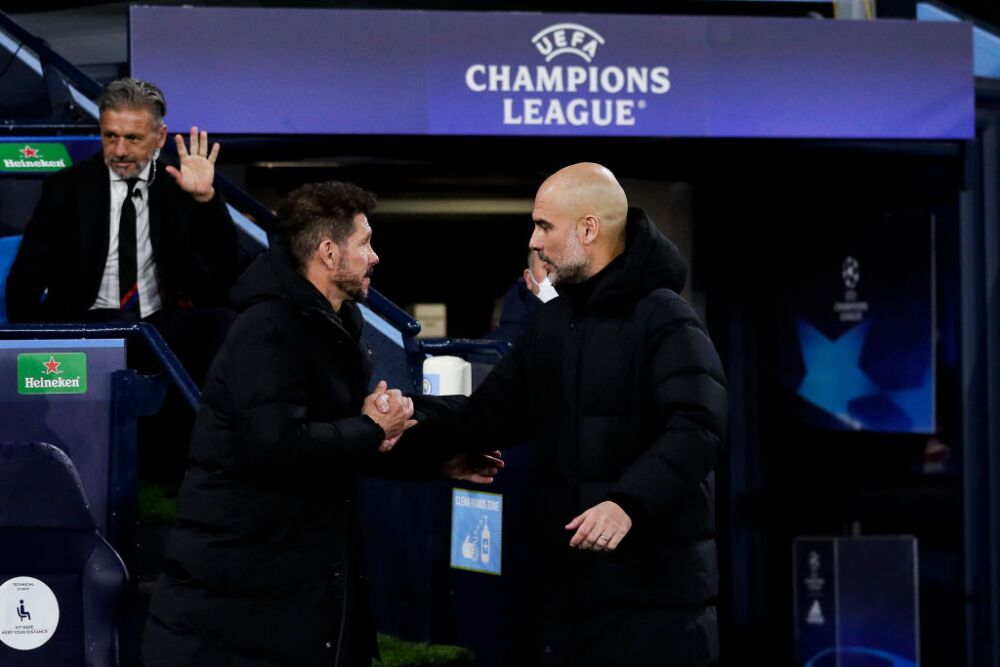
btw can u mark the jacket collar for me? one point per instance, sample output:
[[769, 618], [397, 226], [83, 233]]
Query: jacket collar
[[650, 261]]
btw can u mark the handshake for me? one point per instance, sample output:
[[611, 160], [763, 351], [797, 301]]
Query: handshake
[[393, 412]]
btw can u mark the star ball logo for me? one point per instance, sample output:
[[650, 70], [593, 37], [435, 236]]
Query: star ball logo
[[851, 309], [573, 92], [46, 157], [850, 272], [52, 373]]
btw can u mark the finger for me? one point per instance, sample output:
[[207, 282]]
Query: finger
[[590, 538], [410, 423], [173, 172], [616, 540], [381, 386], [603, 539], [215, 153], [494, 460], [193, 138], [182, 150], [575, 523], [203, 143], [408, 406], [582, 538]]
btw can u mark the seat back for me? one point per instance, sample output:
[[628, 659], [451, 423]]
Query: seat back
[[61, 584]]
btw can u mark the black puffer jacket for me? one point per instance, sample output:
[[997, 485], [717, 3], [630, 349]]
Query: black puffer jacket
[[620, 388], [264, 565]]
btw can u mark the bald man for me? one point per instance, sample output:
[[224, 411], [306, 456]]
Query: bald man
[[621, 390]]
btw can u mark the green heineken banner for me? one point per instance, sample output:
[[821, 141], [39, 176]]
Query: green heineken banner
[[52, 373], [33, 157], [59, 392]]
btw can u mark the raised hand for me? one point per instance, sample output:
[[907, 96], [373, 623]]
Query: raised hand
[[197, 172]]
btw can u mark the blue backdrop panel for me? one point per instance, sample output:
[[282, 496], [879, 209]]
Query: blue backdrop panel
[[857, 331], [504, 74], [77, 423], [856, 602]]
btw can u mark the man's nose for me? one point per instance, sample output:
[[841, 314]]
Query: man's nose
[[373, 258], [121, 147], [534, 243]]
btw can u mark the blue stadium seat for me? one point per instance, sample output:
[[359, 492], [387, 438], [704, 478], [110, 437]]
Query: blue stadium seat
[[8, 250], [50, 548]]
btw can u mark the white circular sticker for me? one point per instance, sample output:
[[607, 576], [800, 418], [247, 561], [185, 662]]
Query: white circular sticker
[[29, 613]]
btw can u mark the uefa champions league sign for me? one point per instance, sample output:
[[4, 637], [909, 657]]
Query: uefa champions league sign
[[343, 71]]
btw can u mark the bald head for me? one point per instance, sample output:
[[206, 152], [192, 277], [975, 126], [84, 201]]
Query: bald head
[[587, 188], [586, 200]]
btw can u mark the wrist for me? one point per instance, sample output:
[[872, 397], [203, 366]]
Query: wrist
[[206, 197], [375, 424]]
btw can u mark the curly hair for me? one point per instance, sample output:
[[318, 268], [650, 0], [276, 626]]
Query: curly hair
[[317, 211]]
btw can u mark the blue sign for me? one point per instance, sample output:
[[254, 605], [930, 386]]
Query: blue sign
[[339, 71], [857, 326], [856, 602], [476, 531]]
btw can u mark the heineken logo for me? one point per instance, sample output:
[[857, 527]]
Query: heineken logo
[[18, 157], [52, 373]]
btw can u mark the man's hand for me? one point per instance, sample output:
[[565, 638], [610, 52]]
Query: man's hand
[[477, 468], [197, 172], [391, 410], [600, 528]]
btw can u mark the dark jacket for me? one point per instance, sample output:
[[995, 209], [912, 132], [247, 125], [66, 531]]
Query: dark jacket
[[264, 564], [621, 391], [65, 246], [518, 309]]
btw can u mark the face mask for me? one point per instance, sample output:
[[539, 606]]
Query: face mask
[[546, 292]]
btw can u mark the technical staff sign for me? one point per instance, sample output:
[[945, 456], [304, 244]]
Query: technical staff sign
[[281, 71]]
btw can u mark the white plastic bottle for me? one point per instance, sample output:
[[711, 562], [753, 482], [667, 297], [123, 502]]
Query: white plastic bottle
[[484, 542]]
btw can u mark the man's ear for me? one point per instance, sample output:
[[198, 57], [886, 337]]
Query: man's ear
[[161, 135], [588, 229], [328, 253]]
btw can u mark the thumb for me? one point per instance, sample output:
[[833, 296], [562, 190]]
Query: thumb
[[382, 384]]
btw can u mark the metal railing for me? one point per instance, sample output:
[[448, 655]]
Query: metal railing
[[139, 331]]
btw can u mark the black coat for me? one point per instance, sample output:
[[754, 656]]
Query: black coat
[[65, 246], [621, 390], [264, 564], [518, 309]]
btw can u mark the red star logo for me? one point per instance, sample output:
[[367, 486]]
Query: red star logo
[[28, 151], [52, 366]]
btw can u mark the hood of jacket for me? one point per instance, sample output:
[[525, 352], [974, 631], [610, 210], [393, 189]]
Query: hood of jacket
[[650, 261], [274, 276]]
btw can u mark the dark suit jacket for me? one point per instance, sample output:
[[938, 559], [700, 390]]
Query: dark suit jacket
[[65, 246]]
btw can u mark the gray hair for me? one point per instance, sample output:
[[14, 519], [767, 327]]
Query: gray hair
[[131, 93]]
